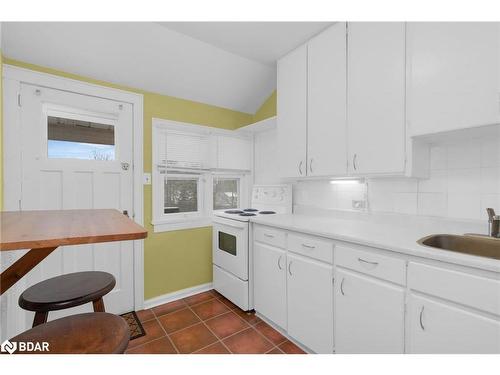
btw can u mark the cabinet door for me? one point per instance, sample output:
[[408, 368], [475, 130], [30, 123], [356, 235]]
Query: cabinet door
[[233, 153], [369, 315], [310, 303], [291, 121], [440, 327], [326, 101], [453, 75], [270, 283], [376, 97]]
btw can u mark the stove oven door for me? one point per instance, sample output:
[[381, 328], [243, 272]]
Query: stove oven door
[[230, 246]]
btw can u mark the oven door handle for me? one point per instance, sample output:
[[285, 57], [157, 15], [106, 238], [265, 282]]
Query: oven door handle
[[231, 225]]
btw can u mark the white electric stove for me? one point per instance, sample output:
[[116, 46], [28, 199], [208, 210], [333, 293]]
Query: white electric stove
[[231, 236]]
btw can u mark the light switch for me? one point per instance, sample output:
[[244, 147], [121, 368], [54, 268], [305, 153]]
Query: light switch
[[147, 179]]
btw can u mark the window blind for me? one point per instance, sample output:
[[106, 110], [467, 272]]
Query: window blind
[[183, 150]]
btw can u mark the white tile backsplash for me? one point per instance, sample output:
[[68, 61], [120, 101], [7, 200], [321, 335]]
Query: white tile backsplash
[[464, 180]]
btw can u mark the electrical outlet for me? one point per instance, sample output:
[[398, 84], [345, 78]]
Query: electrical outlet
[[147, 179], [358, 205]]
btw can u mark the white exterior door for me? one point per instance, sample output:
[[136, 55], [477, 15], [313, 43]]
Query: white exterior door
[[369, 315], [310, 303], [77, 154]]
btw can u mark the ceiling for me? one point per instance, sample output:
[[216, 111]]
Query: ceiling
[[264, 42], [230, 65]]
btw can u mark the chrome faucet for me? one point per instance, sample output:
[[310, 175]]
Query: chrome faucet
[[494, 223]]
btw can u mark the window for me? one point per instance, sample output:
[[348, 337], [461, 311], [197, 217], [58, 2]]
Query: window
[[181, 194], [69, 138], [226, 193], [187, 188]]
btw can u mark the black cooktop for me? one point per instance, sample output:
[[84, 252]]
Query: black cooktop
[[247, 214], [266, 212], [233, 212], [250, 210]]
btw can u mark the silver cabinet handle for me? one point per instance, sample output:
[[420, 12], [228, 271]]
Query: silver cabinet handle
[[367, 261], [290, 268], [311, 166], [342, 287], [268, 235], [420, 318], [279, 262], [300, 167], [308, 246], [354, 160]]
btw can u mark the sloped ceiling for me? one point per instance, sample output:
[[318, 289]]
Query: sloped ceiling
[[153, 57]]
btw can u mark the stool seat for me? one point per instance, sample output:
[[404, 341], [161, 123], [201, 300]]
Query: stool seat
[[62, 292], [89, 333]]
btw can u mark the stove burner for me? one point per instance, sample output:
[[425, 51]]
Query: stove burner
[[250, 210], [266, 212], [233, 212], [247, 214]]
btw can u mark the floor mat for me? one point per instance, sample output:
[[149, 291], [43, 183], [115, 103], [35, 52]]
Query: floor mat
[[136, 329]]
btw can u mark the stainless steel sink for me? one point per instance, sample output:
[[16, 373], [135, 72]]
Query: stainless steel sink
[[478, 245]]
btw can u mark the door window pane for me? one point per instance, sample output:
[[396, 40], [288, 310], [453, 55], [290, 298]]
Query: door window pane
[[226, 193], [76, 139], [181, 195]]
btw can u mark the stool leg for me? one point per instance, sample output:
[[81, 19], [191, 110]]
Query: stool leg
[[40, 318], [98, 305]]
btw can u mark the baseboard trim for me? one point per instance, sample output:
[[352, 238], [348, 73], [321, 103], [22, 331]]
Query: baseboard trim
[[174, 296]]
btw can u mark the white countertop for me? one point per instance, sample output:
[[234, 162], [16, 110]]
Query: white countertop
[[392, 232]]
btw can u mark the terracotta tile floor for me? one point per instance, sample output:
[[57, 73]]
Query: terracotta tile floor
[[207, 323]]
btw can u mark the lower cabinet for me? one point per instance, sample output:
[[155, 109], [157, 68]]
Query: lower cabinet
[[270, 283], [310, 303], [369, 314], [441, 327]]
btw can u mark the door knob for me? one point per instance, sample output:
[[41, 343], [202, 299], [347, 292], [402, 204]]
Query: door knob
[[125, 166]]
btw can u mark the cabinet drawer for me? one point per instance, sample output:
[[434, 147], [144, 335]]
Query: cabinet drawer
[[310, 246], [371, 263], [270, 236], [475, 291]]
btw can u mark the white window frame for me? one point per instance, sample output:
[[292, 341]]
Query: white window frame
[[203, 217]]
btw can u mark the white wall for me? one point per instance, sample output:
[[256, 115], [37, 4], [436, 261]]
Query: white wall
[[464, 180], [266, 168]]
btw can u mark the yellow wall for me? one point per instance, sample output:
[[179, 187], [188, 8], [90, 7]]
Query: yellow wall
[[267, 109], [1, 132], [180, 259]]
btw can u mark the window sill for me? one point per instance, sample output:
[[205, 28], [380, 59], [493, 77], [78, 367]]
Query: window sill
[[169, 226]]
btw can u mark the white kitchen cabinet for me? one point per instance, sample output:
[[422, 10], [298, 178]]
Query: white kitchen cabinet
[[292, 113], [437, 326], [453, 80], [270, 283], [326, 103], [233, 153], [369, 314], [310, 303], [376, 98]]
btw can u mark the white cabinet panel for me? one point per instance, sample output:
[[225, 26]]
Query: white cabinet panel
[[440, 327], [310, 303], [454, 75], [234, 153], [326, 103], [292, 112], [369, 315], [376, 97], [270, 283]]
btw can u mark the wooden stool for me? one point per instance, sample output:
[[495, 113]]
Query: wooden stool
[[89, 333], [65, 291]]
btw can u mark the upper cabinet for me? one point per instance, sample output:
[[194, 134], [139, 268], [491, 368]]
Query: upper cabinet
[[292, 113], [312, 107], [453, 71], [376, 98], [326, 103]]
